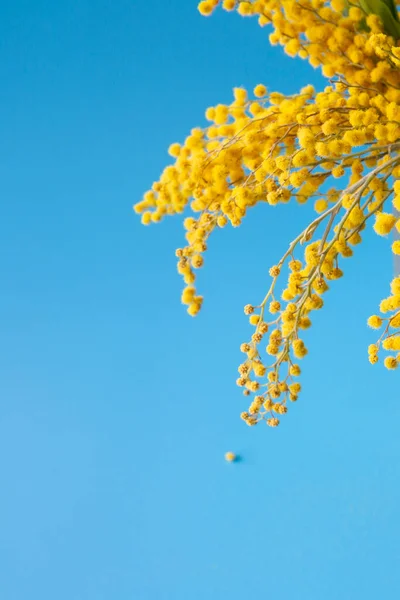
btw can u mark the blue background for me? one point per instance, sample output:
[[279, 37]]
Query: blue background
[[116, 408]]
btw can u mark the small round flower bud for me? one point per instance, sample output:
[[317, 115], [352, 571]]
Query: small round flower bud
[[248, 309]]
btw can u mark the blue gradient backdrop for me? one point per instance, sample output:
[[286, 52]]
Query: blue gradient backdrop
[[116, 408]]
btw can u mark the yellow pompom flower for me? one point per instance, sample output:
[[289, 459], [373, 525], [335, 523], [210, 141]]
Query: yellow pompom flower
[[230, 456], [188, 295], [294, 370], [174, 150], [229, 5], [221, 114], [384, 223], [259, 369], [396, 202], [240, 95], [390, 362], [338, 5], [222, 221], [305, 137], [391, 343], [146, 218], [375, 322], [292, 47], [295, 265], [295, 388], [393, 112], [395, 285], [245, 9], [195, 306], [210, 113], [274, 307], [395, 321], [205, 8], [197, 261], [274, 271], [320, 205], [260, 91], [299, 349], [338, 172]]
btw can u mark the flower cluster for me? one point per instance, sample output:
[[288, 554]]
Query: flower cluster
[[270, 148], [390, 325]]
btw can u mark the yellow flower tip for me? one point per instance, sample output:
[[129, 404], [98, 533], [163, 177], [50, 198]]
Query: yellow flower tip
[[384, 223], [245, 9], [396, 247], [272, 349], [195, 306], [338, 172], [259, 370], [188, 295], [295, 265], [240, 95], [287, 295], [299, 349], [189, 223], [396, 204], [391, 362], [338, 5], [274, 307], [229, 5], [395, 321], [306, 139], [146, 218], [295, 388], [375, 322], [385, 305], [274, 271], [260, 91], [222, 221], [174, 150], [392, 342], [252, 353], [395, 285], [254, 319], [374, 22], [274, 38], [197, 261], [210, 113], [320, 205], [355, 13], [230, 456], [294, 370], [248, 309], [205, 8]]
